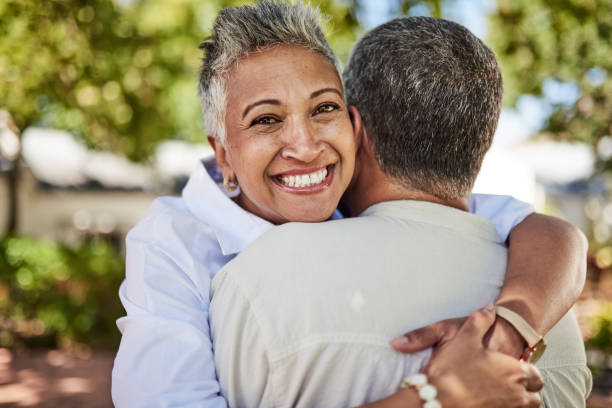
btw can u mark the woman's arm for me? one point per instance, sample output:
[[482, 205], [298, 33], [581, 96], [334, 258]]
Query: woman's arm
[[546, 270], [545, 275]]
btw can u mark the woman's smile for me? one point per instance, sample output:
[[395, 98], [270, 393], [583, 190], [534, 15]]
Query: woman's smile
[[305, 181]]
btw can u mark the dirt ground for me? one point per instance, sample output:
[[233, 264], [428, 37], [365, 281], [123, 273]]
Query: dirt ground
[[53, 379]]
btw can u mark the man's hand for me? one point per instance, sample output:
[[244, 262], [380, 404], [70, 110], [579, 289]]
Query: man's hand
[[501, 337], [466, 374]]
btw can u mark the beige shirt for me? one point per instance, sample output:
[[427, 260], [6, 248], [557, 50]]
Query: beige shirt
[[304, 316]]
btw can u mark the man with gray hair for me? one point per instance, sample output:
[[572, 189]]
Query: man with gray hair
[[293, 329]]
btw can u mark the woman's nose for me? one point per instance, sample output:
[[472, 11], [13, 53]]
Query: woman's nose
[[302, 143]]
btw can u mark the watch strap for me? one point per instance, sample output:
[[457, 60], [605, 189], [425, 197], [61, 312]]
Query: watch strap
[[532, 338]]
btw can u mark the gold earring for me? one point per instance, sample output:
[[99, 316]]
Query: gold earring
[[230, 185]]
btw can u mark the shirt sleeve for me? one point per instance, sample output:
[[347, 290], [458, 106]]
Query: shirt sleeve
[[165, 358], [567, 379], [567, 386], [504, 212]]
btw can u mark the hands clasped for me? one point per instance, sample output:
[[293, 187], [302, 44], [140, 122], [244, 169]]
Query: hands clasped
[[466, 372]]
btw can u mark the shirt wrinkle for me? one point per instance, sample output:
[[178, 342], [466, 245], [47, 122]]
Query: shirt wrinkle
[[166, 293]]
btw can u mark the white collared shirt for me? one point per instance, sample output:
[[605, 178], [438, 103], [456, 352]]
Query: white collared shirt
[[165, 358]]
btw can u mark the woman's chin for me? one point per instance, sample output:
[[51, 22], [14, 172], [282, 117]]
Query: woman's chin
[[319, 216]]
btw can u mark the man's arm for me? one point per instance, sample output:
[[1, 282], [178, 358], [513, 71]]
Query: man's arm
[[563, 366], [466, 374]]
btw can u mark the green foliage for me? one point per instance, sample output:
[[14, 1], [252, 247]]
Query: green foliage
[[52, 295], [120, 78], [434, 6], [602, 325], [568, 40]]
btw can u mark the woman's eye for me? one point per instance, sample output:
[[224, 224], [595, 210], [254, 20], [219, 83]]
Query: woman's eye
[[265, 120], [327, 107]]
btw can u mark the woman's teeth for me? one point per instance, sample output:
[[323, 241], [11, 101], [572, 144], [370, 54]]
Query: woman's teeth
[[304, 180]]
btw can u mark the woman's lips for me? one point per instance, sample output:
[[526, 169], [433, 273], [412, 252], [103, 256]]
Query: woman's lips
[[305, 181]]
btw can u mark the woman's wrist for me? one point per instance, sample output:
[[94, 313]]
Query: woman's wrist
[[504, 338], [402, 398], [408, 398]]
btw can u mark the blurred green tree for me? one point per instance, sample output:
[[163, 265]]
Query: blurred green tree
[[434, 6], [55, 295], [566, 40], [121, 77]]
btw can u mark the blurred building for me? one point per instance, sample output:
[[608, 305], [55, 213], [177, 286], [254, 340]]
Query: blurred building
[[556, 177], [67, 192]]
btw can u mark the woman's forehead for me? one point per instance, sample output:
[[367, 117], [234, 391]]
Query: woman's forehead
[[288, 70]]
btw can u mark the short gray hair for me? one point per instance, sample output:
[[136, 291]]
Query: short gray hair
[[430, 95], [239, 31]]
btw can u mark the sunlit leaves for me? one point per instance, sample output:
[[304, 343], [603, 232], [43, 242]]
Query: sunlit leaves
[[564, 39], [602, 329], [55, 292], [121, 78]]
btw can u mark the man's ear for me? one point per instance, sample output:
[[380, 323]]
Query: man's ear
[[222, 157], [357, 122]]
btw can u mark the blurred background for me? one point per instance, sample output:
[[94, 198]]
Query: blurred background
[[99, 114]]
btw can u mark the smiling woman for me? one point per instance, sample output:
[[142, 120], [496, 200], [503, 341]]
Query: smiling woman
[[285, 142], [290, 142]]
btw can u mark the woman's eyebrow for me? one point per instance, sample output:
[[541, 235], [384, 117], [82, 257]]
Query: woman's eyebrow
[[262, 102], [322, 91]]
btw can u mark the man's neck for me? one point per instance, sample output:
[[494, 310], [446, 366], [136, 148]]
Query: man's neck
[[393, 192], [373, 187]]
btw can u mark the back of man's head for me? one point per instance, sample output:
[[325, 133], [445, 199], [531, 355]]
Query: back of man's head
[[430, 95]]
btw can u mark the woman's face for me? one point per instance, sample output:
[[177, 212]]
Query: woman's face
[[290, 140]]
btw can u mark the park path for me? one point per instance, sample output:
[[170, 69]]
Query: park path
[[54, 379]]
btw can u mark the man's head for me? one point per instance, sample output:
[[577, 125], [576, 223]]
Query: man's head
[[430, 95]]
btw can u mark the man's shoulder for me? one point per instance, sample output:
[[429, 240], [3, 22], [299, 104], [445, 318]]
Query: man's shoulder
[[308, 230], [304, 237]]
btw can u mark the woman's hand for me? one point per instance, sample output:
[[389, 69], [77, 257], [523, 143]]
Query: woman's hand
[[467, 374], [501, 337]]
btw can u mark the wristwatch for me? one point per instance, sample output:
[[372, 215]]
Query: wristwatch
[[535, 341]]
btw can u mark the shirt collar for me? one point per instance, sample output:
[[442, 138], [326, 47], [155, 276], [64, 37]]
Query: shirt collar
[[436, 214], [208, 200]]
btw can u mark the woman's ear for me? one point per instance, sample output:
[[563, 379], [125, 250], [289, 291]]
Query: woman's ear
[[357, 123], [222, 157]]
